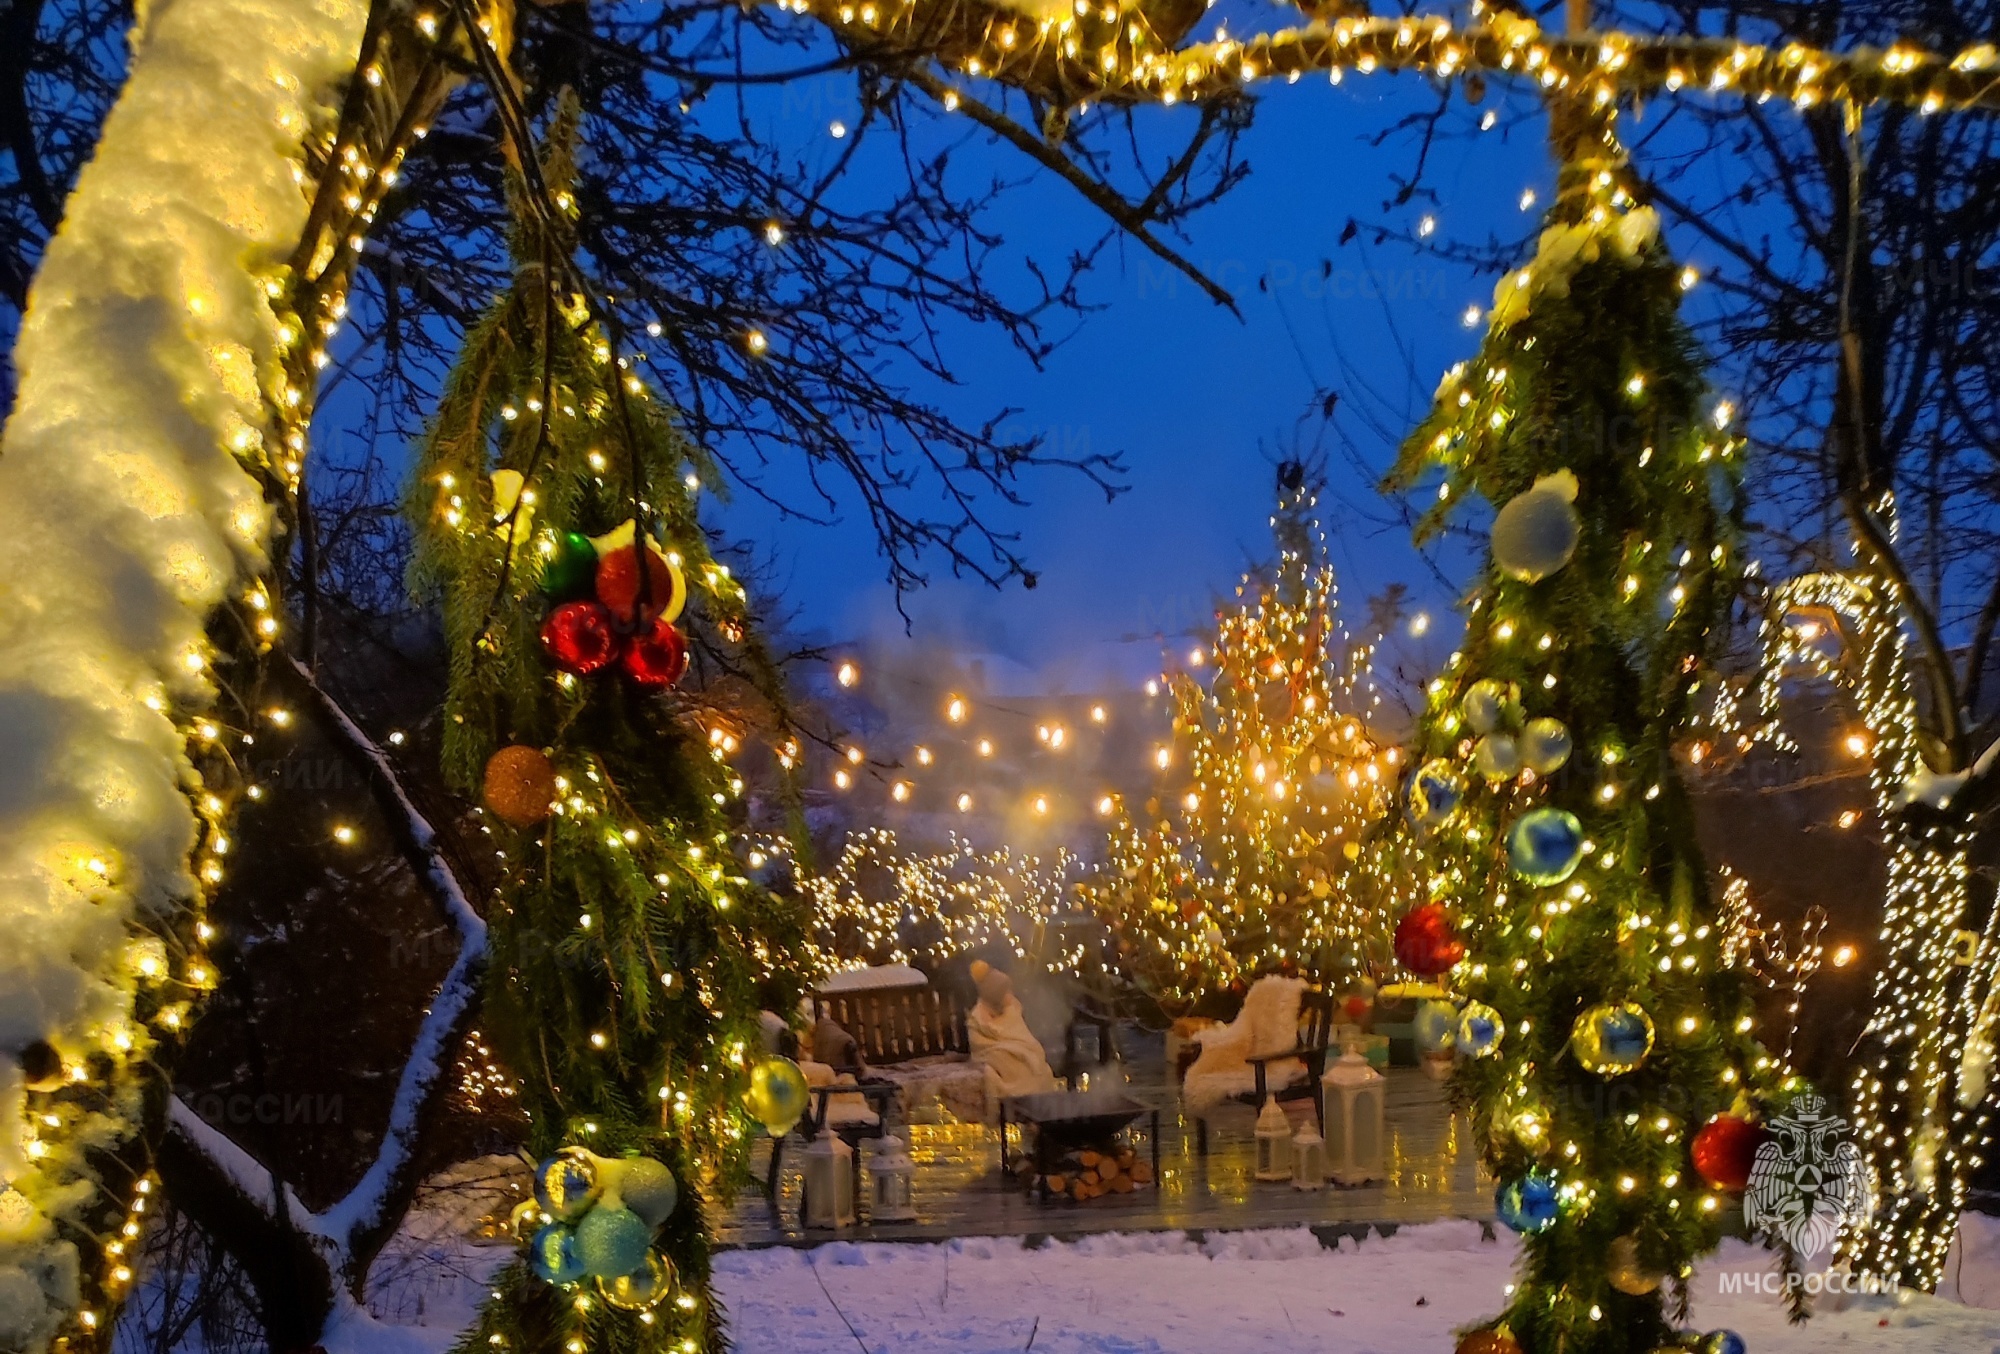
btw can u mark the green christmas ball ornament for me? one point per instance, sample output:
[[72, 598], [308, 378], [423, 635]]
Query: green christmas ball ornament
[[1536, 533], [1612, 1039], [1491, 704], [1545, 746], [566, 1184], [1497, 757], [649, 1189], [1435, 792], [643, 1289], [1545, 845], [612, 1241], [1435, 1026], [552, 1254], [570, 569], [777, 1095], [1479, 1030]]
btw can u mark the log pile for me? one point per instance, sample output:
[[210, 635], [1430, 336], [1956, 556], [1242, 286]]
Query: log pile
[[1089, 1173]]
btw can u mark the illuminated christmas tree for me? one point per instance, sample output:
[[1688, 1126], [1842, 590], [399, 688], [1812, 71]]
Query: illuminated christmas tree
[[1610, 1056], [1247, 866]]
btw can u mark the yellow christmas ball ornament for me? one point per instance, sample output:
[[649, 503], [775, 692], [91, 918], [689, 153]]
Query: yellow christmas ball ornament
[[519, 785], [644, 1288], [1626, 1274], [777, 1095]]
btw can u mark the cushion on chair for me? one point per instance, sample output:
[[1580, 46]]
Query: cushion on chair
[[1268, 1023]]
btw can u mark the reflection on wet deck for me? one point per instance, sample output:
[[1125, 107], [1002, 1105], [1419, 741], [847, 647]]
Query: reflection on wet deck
[[1433, 1172]]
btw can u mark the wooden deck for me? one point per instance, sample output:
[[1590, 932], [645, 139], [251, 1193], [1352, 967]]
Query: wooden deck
[[959, 1189]]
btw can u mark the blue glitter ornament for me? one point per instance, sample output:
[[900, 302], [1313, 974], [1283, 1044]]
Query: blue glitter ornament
[[1545, 845], [1479, 1030], [1612, 1039], [1528, 1205], [1723, 1342], [612, 1242], [1435, 792], [552, 1254], [566, 1184]]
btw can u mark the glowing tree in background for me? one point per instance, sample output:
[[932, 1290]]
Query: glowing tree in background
[[1612, 1069], [1250, 869], [630, 953]]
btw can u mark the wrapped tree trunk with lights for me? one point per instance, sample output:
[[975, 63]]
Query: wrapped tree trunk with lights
[[1604, 1034], [630, 954], [1250, 869], [1919, 1093]]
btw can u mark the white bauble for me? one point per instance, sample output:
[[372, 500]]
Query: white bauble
[[1537, 532], [1545, 746], [1490, 704]]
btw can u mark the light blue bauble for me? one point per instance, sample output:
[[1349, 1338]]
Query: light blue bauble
[[552, 1254], [1537, 532], [1723, 1342], [1479, 1030], [1545, 845], [611, 1242], [1545, 746], [1435, 792], [1491, 704], [1435, 1026], [648, 1189], [1496, 757], [1528, 1204], [566, 1184]]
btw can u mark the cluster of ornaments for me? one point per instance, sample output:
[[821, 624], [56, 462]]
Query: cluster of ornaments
[[1500, 1340], [601, 1214], [608, 612]]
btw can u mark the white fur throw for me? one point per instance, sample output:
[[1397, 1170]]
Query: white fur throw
[[1268, 1023]]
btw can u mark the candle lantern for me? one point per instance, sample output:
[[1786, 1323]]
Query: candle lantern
[[1274, 1139], [891, 1171], [1354, 1119], [1308, 1160], [829, 1197]]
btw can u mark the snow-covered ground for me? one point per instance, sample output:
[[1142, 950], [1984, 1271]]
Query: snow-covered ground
[[1162, 1293], [1245, 1293]]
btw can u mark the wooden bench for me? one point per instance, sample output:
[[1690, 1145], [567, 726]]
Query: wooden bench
[[897, 1024]]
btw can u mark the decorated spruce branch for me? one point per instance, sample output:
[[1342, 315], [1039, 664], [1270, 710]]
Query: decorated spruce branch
[[1613, 1072], [630, 953]]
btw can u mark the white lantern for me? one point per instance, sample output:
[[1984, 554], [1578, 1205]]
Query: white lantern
[[1354, 1119], [1308, 1160], [1274, 1138], [829, 1200], [891, 1170]]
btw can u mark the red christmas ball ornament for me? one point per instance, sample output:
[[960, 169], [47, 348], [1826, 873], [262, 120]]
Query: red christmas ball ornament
[[618, 584], [1356, 1008], [1725, 1150], [578, 637], [657, 656], [1427, 942]]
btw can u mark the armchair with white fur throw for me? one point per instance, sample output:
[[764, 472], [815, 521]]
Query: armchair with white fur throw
[[1276, 1045]]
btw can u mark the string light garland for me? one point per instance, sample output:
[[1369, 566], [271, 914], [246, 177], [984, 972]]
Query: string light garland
[[1919, 1093], [1251, 868], [1129, 52]]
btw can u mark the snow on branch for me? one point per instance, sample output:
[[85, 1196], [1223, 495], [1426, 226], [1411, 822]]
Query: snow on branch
[[128, 516]]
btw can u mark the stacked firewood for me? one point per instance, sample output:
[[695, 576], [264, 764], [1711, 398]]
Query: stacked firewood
[[1091, 1174]]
